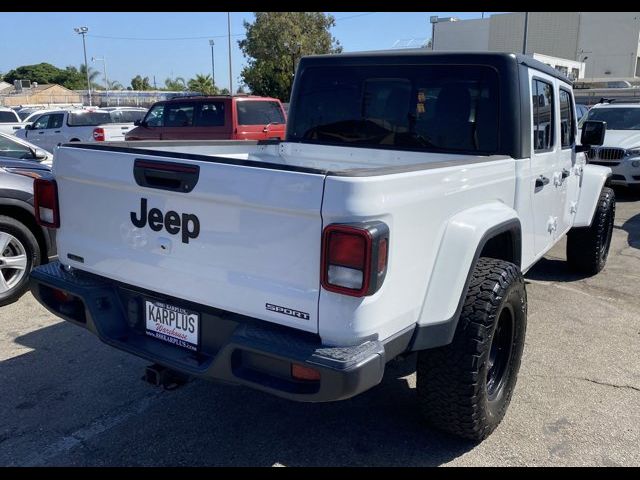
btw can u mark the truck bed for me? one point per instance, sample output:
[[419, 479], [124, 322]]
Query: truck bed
[[301, 157]]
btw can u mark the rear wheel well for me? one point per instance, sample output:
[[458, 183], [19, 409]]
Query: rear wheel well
[[503, 246], [25, 217]]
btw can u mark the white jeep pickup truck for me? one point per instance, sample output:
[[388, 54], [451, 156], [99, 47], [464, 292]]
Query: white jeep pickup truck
[[62, 126], [412, 192]]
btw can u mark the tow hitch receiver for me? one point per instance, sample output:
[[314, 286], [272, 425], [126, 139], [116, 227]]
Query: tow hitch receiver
[[160, 376]]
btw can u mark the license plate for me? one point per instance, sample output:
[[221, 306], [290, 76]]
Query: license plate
[[172, 324]]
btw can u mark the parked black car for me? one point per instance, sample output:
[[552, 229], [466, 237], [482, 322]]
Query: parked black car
[[23, 243]]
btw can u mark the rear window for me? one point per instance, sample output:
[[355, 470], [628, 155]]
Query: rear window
[[8, 117], [259, 112], [452, 108], [88, 119], [127, 116]]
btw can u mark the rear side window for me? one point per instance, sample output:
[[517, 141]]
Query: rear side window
[[259, 112], [88, 119], [543, 119], [210, 114], [441, 108], [567, 122], [178, 115], [8, 117]]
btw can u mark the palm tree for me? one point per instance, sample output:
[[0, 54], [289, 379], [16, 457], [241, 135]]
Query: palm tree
[[115, 85], [175, 84], [202, 84], [93, 75]]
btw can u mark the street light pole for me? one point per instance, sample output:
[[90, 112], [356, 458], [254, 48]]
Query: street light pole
[[229, 37], [433, 20], [83, 31], [526, 26], [106, 79], [213, 70]]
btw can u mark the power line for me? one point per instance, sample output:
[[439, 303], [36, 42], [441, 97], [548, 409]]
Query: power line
[[355, 16], [167, 38]]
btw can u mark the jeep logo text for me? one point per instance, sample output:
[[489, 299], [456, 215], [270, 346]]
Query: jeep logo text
[[172, 222]]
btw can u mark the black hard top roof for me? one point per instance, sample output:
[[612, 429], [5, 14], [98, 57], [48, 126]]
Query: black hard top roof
[[448, 57]]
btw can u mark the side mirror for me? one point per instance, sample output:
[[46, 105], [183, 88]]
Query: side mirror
[[40, 154], [137, 123], [593, 132], [28, 126]]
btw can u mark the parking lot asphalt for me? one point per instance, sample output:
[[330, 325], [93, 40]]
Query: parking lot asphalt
[[68, 399]]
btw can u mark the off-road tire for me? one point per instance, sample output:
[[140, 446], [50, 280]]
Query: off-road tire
[[588, 247], [452, 381], [32, 251]]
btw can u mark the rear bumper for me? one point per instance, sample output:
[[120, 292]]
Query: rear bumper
[[233, 348]]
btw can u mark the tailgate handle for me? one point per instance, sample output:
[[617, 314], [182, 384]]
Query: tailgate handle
[[176, 177]]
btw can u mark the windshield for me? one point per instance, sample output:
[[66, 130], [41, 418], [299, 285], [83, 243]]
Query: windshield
[[12, 149], [127, 116], [451, 108], [616, 118], [88, 119]]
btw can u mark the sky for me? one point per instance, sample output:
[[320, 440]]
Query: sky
[[163, 44]]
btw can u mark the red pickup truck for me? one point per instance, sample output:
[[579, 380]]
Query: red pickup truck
[[226, 117]]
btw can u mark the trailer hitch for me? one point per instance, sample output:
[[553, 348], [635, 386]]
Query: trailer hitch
[[161, 376]]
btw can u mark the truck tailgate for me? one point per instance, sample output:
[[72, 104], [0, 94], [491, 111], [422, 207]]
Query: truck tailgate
[[116, 131], [256, 244]]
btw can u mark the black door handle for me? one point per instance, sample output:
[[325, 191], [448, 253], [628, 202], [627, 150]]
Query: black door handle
[[57, 131], [541, 181], [40, 133], [565, 173]]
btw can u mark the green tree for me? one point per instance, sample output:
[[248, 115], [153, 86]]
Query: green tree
[[225, 91], [241, 90], [274, 43], [41, 73], [139, 83], [176, 84], [202, 84]]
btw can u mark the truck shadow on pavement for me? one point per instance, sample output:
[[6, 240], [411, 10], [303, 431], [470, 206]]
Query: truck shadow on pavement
[[71, 386]]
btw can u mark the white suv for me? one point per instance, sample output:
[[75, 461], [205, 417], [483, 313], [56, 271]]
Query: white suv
[[621, 148]]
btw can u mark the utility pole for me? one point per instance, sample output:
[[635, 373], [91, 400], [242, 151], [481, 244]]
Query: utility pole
[[213, 70], [526, 26], [83, 31], [229, 37], [106, 79]]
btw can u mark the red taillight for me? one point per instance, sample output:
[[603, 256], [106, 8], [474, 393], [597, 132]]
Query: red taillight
[[45, 202], [354, 258], [347, 249], [301, 372], [98, 134], [62, 296]]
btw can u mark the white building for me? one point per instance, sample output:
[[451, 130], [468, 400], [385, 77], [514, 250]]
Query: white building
[[608, 43]]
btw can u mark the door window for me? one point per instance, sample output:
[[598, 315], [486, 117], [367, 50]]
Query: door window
[[41, 122], [155, 117], [211, 114], [178, 115], [55, 121], [543, 118], [567, 122]]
